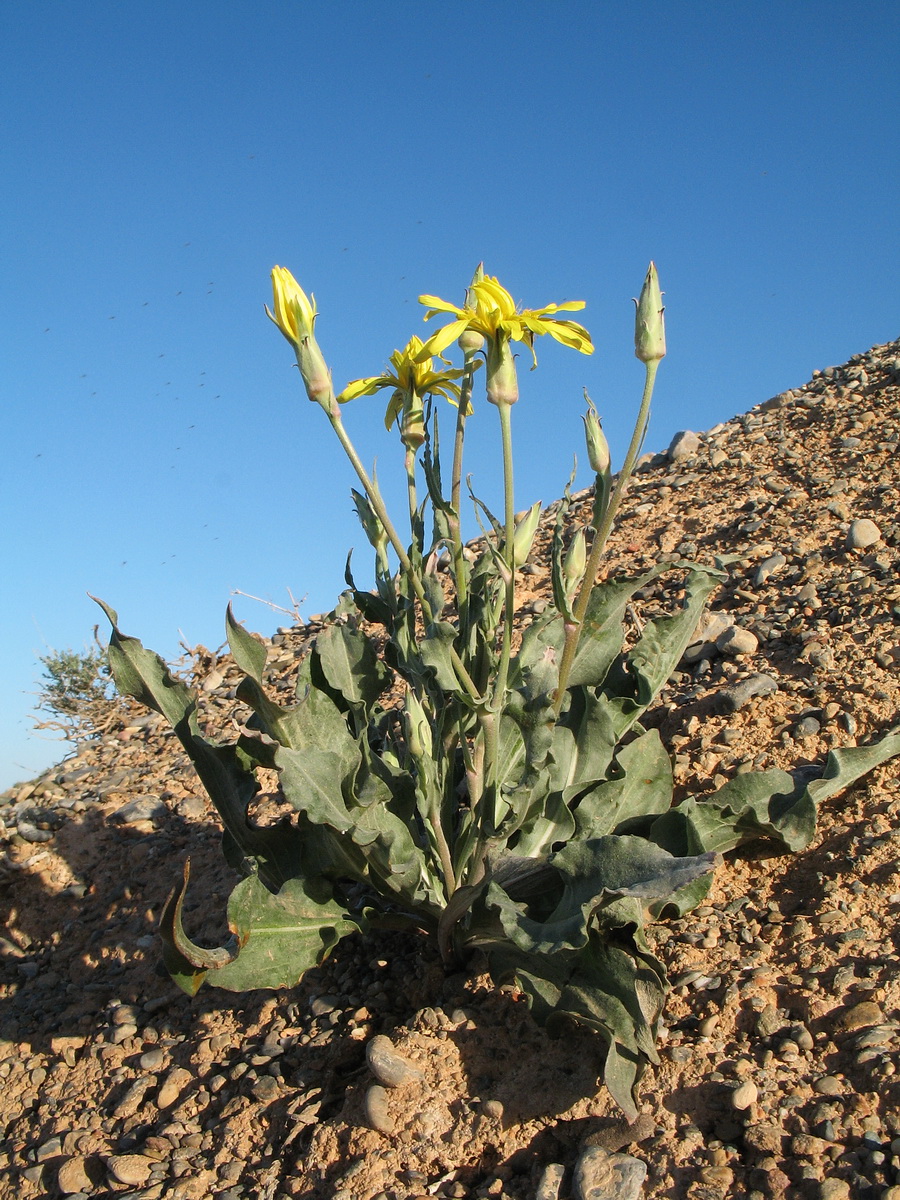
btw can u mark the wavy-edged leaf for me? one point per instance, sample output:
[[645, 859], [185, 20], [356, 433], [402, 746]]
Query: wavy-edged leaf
[[594, 873], [186, 962], [771, 804], [225, 770], [249, 654], [616, 990], [643, 788], [313, 782], [653, 659], [351, 666], [277, 937]]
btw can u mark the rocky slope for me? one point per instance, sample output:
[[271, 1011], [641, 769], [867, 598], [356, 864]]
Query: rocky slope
[[779, 1072]]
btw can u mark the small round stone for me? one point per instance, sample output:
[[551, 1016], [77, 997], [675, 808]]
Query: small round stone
[[744, 1096], [133, 1169], [862, 534], [390, 1068], [73, 1177], [828, 1085], [834, 1189], [736, 642], [376, 1106]]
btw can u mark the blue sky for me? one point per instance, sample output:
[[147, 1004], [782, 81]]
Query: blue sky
[[157, 159]]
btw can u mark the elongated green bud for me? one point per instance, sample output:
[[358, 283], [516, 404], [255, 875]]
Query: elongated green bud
[[649, 325], [418, 730], [574, 564], [502, 383], [412, 421], [597, 445], [523, 539]]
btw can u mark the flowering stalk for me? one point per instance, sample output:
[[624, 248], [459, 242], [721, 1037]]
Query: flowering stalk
[[459, 563], [650, 348], [470, 342]]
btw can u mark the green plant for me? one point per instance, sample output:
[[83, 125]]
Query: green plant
[[496, 793]]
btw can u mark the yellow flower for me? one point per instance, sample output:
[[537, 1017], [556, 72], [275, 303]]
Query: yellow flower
[[412, 377], [295, 312], [491, 311], [295, 316]]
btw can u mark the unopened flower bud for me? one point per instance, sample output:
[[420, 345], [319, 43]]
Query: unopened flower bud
[[418, 730], [412, 421], [574, 563], [470, 341], [502, 383], [649, 325], [295, 315], [597, 445], [523, 539]]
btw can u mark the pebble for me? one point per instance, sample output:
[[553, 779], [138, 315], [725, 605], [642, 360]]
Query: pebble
[[130, 1168], [31, 833], [828, 1085], [807, 727], [172, 1086], [602, 1176], [744, 1096], [550, 1184], [834, 1189], [764, 1138], [266, 1089], [621, 1133], [142, 808], [862, 534], [736, 641], [73, 1178], [768, 567], [376, 1109], [390, 1068], [131, 1101], [737, 695], [858, 1016], [683, 445]]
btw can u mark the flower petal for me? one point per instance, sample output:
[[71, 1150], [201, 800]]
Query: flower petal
[[436, 305], [363, 387], [441, 340]]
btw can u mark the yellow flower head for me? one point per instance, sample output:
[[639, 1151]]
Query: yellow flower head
[[412, 377], [295, 312], [491, 311], [295, 316]]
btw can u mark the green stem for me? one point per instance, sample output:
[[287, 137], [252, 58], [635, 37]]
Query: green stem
[[412, 497], [465, 397], [574, 629], [443, 850], [508, 554], [372, 491]]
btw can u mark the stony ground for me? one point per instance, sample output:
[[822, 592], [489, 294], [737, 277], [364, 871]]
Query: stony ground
[[779, 1072]]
